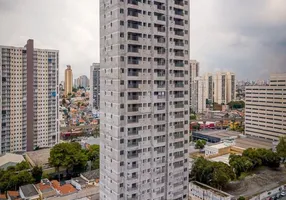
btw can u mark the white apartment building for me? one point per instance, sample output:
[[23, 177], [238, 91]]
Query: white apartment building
[[265, 108], [94, 94], [224, 87], [29, 98], [144, 105], [194, 73]]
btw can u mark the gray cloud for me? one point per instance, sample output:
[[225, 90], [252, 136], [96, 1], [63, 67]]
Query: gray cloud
[[246, 37]]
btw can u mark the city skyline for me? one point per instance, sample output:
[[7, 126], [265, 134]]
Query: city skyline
[[242, 42]]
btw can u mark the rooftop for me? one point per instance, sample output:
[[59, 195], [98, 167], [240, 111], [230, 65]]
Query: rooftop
[[91, 175], [10, 159], [29, 190], [64, 189], [79, 180], [223, 158], [207, 187], [2, 197], [14, 195], [39, 157]]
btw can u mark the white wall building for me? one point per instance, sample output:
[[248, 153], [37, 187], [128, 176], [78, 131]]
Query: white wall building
[[144, 106], [29, 98], [224, 87], [194, 74], [265, 108], [200, 191]]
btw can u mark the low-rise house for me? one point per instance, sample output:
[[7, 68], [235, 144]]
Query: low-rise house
[[79, 183], [45, 189], [91, 177], [13, 195], [200, 191], [29, 192], [63, 190], [3, 197]]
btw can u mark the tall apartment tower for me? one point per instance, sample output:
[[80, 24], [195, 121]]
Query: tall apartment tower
[[81, 81], [94, 99], [68, 80], [224, 87], [144, 106], [265, 108], [29, 98], [194, 73]]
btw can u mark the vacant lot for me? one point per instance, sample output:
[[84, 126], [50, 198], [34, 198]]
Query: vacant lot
[[263, 179]]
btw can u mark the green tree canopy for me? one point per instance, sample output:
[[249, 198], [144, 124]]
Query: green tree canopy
[[68, 155], [200, 144], [215, 174], [37, 173], [281, 148]]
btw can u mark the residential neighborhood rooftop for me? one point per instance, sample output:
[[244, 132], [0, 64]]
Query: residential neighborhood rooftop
[[29, 190]]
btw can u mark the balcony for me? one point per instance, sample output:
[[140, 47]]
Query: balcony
[[179, 2], [130, 167]]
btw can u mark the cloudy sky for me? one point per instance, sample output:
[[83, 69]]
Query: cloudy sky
[[247, 37]]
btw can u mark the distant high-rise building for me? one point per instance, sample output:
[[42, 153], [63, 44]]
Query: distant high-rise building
[[144, 100], [224, 87], [81, 81], [265, 108], [194, 73], [94, 98], [29, 95], [68, 80]]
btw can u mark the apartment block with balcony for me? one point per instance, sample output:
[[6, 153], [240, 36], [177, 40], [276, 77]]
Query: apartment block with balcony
[[144, 106], [29, 103], [194, 74], [265, 108]]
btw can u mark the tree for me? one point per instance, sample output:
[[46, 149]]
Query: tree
[[37, 173], [240, 164], [281, 149], [254, 156], [22, 166], [241, 198], [215, 174], [74, 89], [64, 101], [68, 155], [200, 144], [83, 95]]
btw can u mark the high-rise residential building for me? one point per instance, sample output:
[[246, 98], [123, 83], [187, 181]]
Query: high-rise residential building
[[68, 80], [194, 73], [144, 105], [94, 98], [81, 81], [265, 108], [29, 98], [224, 87]]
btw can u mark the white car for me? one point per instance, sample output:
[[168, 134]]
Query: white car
[[283, 194]]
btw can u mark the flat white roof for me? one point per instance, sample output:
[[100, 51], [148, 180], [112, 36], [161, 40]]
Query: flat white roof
[[10, 157]]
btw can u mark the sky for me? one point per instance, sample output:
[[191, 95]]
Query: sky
[[247, 37]]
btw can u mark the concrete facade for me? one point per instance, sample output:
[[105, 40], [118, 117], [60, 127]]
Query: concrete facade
[[144, 106], [68, 80], [265, 108], [224, 87], [81, 81], [29, 103], [94, 98], [194, 74]]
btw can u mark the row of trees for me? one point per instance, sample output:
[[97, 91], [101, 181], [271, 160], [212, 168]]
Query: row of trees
[[215, 174], [253, 158], [236, 104], [218, 174], [16, 176], [73, 158]]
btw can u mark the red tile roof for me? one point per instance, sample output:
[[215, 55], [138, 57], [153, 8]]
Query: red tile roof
[[3, 196], [13, 193], [64, 189]]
